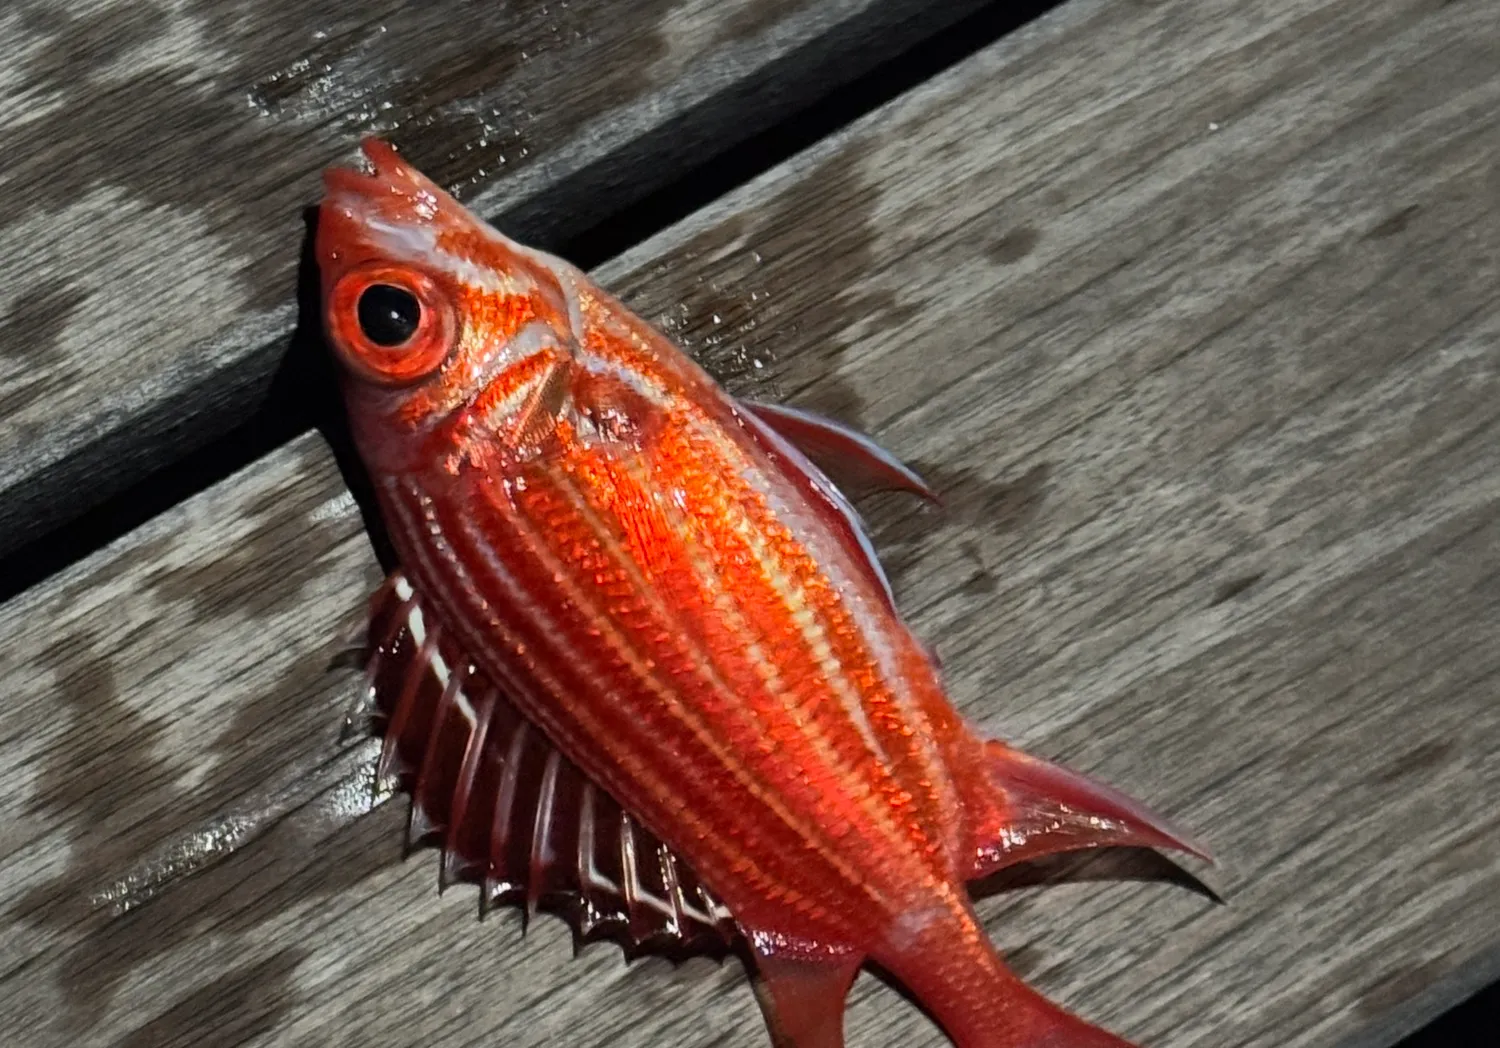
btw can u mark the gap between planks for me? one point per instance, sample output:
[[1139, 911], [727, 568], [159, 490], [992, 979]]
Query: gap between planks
[[161, 157]]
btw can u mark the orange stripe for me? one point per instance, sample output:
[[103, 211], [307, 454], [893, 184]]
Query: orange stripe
[[744, 529], [911, 754], [645, 670], [543, 690], [915, 759], [844, 781], [746, 698]]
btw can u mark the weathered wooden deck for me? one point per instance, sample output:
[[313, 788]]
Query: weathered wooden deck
[[1191, 308]]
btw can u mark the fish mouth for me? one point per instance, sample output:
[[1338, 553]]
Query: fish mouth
[[384, 173], [385, 192]]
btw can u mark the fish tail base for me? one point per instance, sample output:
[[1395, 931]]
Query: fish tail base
[[959, 978]]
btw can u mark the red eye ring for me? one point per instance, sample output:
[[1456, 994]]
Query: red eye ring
[[419, 310]]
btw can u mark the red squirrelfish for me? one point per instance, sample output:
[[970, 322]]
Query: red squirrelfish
[[639, 662]]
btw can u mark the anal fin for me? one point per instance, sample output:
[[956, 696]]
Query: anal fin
[[1023, 807], [510, 812]]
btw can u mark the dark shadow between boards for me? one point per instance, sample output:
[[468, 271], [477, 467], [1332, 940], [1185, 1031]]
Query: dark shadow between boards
[[302, 393], [1473, 1024]]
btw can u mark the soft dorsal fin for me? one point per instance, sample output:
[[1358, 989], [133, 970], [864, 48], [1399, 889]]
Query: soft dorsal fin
[[802, 992], [510, 812]]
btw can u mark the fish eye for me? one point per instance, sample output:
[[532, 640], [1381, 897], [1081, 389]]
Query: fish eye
[[388, 315], [391, 324]]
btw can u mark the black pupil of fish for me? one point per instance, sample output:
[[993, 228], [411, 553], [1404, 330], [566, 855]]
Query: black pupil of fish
[[388, 315]]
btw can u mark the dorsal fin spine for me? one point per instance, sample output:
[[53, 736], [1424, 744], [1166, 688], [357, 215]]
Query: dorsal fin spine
[[668, 863], [630, 883], [541, 833], [464, 784], [481, 775], [400, 712], [587, 866], [505, 802], [429, 634]]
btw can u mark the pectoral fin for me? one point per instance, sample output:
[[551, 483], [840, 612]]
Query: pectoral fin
[[841, 450], [815, 483], [1026, 807]]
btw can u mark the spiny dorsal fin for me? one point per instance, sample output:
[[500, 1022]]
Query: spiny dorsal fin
[[510, 812]]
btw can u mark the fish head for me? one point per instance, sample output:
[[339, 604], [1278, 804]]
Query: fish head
[[426, 306]]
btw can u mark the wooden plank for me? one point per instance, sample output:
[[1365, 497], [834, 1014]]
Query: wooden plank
[[1191, 310], [159, 157]]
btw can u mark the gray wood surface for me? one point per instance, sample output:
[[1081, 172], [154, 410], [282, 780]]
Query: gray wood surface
[[159, 156], [1193, 312]]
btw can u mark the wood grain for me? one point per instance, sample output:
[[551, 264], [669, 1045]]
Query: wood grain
[[159, 157], [1193, 312]]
